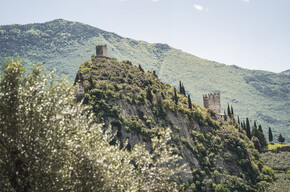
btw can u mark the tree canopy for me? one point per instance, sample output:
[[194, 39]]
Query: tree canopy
[[50, 143]]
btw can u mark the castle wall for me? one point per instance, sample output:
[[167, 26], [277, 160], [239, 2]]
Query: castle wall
[[101, 51], [212, 101]]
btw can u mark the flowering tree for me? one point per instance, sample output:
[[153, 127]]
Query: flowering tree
[[50, 143]]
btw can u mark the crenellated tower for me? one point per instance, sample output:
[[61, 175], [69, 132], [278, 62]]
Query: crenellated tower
[[212, 101], [101, 51]]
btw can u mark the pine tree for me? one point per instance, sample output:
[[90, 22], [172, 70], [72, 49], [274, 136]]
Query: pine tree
[[175, 97], [229, 111], [248, 128], [232, 111], [149, 95], [183, 90], [262, 137], [244, 125], [189, 102], [260, 128], [270, 135], [281, 139], [238, 120], [255, 124]]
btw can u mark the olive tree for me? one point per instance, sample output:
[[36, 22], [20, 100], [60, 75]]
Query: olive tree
[[48, 142]]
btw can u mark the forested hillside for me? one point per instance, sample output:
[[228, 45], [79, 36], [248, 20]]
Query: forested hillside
[[137, 105], [60, 44]]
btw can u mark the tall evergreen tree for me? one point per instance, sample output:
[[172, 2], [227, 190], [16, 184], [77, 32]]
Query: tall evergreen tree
[[181, 88], [281, 139], [189, 102], [260, 128], [175, 97], [225, 116], [229, 111], [248, 128], [262, 137], [232, 111], [239, 120], [270, 135], [244, 125], [255, 124], [149, 95]]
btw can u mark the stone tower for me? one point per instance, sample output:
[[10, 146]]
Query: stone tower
[[101, 51], [212, 101]]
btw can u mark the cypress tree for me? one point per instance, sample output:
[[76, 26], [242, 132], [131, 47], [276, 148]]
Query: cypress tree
[[262, 137], [175, 96], [229, 111], [238, 120], [149, 95], [189, 102], [225, 116], [255, 132], [180, 87], [232, 111], [183, 90], [260, 128], [255, 124], [248, 128], [270, 135], [281, 139]]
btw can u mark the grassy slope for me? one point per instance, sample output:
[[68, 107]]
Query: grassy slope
[[276, 145], [64, 45]]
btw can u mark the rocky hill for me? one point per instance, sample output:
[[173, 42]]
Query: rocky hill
[[136, 104], [61, 44]]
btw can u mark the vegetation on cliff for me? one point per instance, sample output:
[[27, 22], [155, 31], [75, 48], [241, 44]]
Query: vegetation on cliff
[[50, 143], [136, 104]]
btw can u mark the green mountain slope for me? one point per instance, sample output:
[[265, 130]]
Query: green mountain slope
[[136, 104], [60, 44]]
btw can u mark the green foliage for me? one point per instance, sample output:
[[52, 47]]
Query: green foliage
[[270, 135], [144, 104], [221, 188], [50, 143], [281, 139]]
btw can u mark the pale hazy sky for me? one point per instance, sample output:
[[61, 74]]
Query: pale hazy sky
[[253, 34]]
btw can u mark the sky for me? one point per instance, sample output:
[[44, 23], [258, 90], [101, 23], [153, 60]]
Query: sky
[[253, 34]]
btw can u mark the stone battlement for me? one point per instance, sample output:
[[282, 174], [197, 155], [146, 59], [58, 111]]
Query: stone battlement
[[101, 51], [212, 101]]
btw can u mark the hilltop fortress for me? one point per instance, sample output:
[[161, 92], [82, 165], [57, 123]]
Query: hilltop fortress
[[210, 101], [101, 51]]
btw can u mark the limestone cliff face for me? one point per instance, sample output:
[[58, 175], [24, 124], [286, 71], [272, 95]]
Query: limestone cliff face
[[136, 104]]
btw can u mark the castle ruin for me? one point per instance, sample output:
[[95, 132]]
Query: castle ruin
[[212, 101], [101, 51]]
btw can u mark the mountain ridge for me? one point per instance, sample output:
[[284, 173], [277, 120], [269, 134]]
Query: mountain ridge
[[63, 44]]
